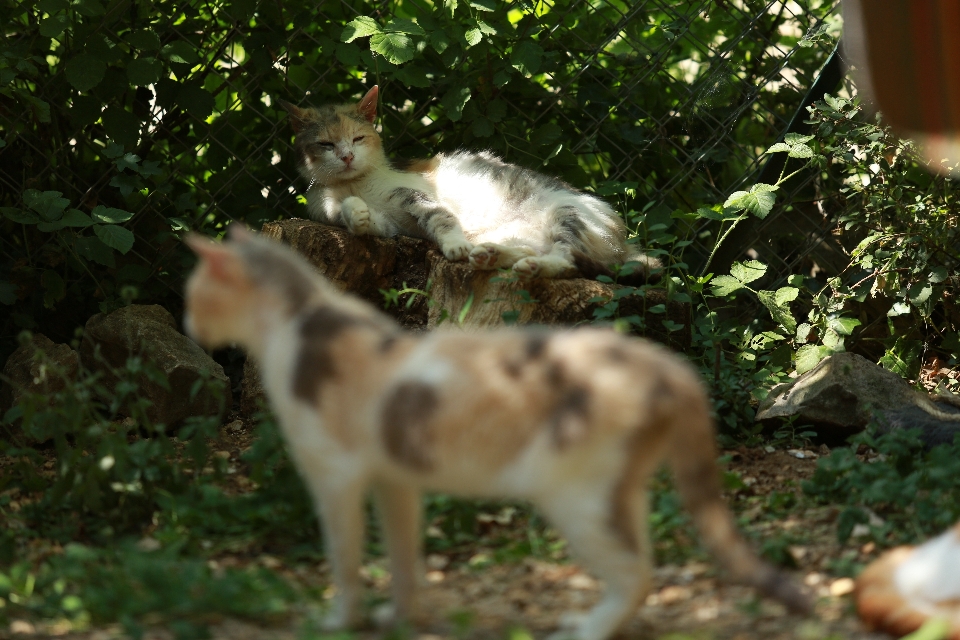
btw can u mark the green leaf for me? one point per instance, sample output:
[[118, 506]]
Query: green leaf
[[843, 326], [454, 100], [144, 71], [803, 332], [359, 27], [547, 134], [8, 293], [809, 356], [196, 100], [53, 26], [473, 36], [758, 201], [143, 39], [920, 293], [91, 248], [395, 47], [412, 76], [785, 295], [180, 52], [439, 41], [796, 138], [725, 285], [85, 71], [527, 57], [486, 28], [18, 215], [121, 125], [89, 8], [115, 237], [126, 183], [128, 161], [48, 204], [75, 218], [52, 6], [899, 308], [748, 271], [938, 275], [795, 280], [110, 215], [54, 288], [402, 25], [482, 127], [483, 5], [779, 311]]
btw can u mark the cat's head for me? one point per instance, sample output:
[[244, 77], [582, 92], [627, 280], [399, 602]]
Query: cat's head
[[240, 285], [337, 143]]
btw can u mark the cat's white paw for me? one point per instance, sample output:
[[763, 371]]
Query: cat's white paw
[[356, 215], [456, 249], [484, 256], [527, 268]]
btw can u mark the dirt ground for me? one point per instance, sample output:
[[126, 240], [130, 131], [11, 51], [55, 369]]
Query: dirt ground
[[472, 598]]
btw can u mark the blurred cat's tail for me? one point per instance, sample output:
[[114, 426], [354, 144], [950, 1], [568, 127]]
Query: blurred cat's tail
[[645, 271], [692, 455]]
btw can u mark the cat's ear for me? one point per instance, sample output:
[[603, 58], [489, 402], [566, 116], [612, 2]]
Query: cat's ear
[[221, 262], [239, 232], [368, 104], [298, 116]]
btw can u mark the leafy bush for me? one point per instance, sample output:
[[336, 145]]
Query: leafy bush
[[914, 493]]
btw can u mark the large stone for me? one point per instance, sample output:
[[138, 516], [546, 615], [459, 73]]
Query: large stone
[[844, 393], [150, 331], [40, 366]]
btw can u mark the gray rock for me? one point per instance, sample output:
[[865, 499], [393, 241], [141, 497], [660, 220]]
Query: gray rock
[[150, 331], [27, 372], [840, 396]]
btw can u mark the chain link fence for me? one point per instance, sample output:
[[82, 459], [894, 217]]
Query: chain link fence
[[126, 123]]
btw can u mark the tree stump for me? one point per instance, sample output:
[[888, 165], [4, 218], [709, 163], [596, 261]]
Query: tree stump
[[365, 265]]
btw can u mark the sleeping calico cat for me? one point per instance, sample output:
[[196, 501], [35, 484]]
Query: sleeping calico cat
[[473, 205], [573, 421]]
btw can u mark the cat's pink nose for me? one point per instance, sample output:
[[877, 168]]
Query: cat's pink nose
[[347, 158]]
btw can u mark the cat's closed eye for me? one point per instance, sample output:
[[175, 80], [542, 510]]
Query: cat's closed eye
[[359, 138], [322, 146]]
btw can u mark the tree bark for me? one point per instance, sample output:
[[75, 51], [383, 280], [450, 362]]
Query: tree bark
[[365, 265]]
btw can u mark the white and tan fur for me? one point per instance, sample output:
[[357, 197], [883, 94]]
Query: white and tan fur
[[473, 204], [573, 421], [907, 586]]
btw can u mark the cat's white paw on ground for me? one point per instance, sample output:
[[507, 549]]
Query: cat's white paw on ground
[[527, 268], [356, 215], [456, 250], [485, 256]]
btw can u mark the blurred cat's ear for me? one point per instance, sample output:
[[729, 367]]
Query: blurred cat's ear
[[368, 104], [221, 262], [239, 232], [298, 116]]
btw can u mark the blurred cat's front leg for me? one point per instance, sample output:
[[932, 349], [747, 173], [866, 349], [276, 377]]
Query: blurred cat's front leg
[[360, 220], [340, 505], [401, 510], [438, 223], [490, 255]]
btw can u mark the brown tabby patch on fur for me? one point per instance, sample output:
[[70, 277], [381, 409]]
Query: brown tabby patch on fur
[[407, 412]]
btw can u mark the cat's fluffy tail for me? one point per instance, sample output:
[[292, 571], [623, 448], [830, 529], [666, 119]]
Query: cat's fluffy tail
[[590, 268], [693, 459]]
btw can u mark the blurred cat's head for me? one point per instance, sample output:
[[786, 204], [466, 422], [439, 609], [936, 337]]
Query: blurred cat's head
[[337, 143], [239, 284]]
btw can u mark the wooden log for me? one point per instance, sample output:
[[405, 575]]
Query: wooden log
[[365, 265]]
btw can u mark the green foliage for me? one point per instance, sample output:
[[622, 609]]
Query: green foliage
[[912, 492]]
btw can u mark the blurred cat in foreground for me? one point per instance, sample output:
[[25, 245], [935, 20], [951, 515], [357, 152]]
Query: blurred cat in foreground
[[573, 421]]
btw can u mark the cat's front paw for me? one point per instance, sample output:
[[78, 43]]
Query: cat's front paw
[[356, 215], [456, 249], [527, 268], [485, 256]]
